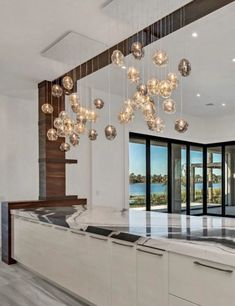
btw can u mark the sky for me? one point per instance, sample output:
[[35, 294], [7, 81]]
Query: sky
[[158, 159]]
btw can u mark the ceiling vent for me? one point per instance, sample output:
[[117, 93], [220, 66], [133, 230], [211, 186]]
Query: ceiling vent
[[74, 49], [210, 104]]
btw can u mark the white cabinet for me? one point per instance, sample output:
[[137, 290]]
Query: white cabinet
[[123, 273], [175, 301], [55, 252], [152, 277], [99, 270], [202, 282]]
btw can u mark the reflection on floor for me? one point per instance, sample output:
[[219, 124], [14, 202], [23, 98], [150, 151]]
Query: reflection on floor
[[19, 287], [196, 209]]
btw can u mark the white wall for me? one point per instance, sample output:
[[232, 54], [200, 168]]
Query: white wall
[[101, 174], [19, 149]]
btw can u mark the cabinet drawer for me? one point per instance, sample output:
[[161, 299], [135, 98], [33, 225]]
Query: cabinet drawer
[[152, 277], [201, 282], [175, 301]]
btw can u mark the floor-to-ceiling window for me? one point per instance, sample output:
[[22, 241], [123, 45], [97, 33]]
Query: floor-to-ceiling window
[[178, 172], [137, 173], [196, 180], [175, 176], [159, 175], [230, 180], [214, 180]]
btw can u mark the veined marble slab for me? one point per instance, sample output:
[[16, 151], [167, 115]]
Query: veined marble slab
[[211, 238]]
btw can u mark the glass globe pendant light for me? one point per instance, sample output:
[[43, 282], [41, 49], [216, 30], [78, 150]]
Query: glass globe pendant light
[[133, 75], [165, 89], [137, 50], [172, 78], [169, 106], [92, 134], [160, 58], [153, 87], [65, 147], [184, 67], [181, 125], [67, 83], [47, 108], [110, 132], [74, 139], [117, 58], [99, 103], [52, 134], [56, 91]]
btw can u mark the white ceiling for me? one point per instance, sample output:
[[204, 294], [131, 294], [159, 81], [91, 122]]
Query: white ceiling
[[211, 54], [28, 27]]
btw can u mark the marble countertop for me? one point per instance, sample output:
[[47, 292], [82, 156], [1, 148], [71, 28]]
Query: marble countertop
[[210, 238]]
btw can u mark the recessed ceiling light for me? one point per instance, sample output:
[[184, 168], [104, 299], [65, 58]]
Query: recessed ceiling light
[[223, 104], [194, 34], [198, 95], [233, 60]]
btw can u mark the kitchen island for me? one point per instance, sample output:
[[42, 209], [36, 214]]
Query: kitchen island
[[130, 258]]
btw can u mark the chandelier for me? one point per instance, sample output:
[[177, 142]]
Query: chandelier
[[143, 98]]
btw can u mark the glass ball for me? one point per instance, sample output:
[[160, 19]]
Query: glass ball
[[74, 139], [142, 88], [47, 108], [81, 119], [123, 117], [65, 147], [117, 58], [153, 87], [61, 132], [82, 111], [63, 115], [73, 99], [92, 134], [184, 67], [133, 75], [138, 100], [169, 106], [160, 58], [165, 89], [56, 91], [99, 103], [172, 77], [181, 125], [58, 123], [160, 125], [79, 128], [149, 110], [68, 126], [137, 50], [151, 123], [92, 116], [67, 82], [75, 107], [110, 132], [52, 135]]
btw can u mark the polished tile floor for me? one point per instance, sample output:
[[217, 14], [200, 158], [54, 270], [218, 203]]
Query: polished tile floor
[[19, 287]]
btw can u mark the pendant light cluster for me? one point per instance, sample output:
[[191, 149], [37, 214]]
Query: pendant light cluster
[[64, 125], [143, 98]]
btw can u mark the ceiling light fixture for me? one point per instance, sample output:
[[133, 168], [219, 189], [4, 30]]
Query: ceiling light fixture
[[198, 95], [194, 34], [233, 59], [223, 104]]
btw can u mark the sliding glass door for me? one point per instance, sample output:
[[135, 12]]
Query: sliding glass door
[[196, 180], [230, 180], [159, 177], [214, 180], [137, 173], [178, 172]]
